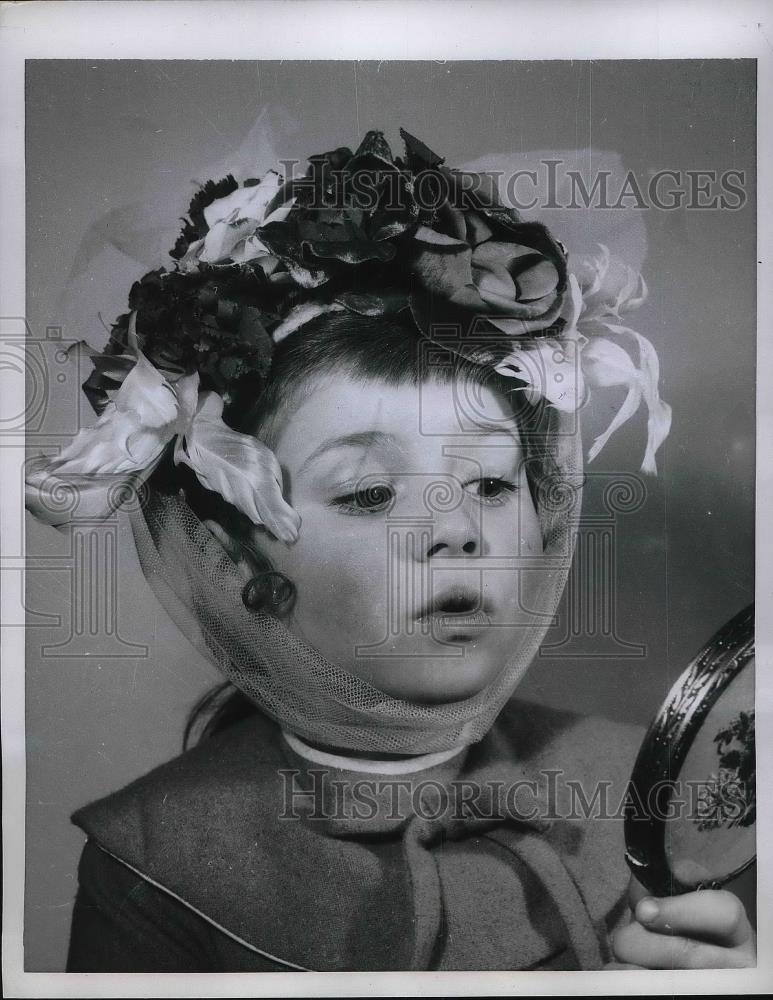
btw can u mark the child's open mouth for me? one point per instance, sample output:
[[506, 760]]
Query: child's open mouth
[[456, 615]]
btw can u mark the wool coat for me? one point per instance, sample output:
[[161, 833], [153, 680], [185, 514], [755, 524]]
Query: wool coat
[[256, 852]]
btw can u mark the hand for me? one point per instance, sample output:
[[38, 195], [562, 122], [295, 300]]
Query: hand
[[708, 929]]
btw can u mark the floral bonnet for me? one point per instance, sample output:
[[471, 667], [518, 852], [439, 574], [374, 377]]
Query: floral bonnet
[[375, 235]]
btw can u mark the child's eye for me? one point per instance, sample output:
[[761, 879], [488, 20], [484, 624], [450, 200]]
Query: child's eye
[[375, 498], [493, 490]]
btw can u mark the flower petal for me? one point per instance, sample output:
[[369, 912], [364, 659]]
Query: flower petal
[[494, 253], [590, 270], [478, 231], [147, 393], [280, 213], [636, 300], [658, 429], [519, 327], [605, 363], [133, 430], [631, 293], [249, 249], [659, 418], [187, 393], [537, 309], [136, 424], [61, 499], [425, 234], [537, 281], [551, 368], [223, 237], [249, 202], [571, 306], [238, 467], [496, 281], [609, 285], [626, 411], [445, 271], [301, 314]]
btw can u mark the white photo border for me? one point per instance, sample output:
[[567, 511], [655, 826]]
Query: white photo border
[[379, 29]]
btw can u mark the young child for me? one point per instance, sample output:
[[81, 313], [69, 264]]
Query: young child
[[353, 416]]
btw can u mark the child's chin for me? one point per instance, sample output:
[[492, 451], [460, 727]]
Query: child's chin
[[435, 680]]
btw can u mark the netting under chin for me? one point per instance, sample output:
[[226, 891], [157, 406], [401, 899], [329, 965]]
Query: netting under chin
[[197, 583]]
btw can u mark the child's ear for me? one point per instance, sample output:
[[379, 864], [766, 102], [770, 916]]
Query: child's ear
[[231, 546]]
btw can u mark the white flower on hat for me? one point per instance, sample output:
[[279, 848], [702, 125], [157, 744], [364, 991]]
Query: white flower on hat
[[233, 223], [127, 442], [590, 353]]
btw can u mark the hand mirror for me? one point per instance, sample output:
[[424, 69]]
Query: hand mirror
[[690, 810]]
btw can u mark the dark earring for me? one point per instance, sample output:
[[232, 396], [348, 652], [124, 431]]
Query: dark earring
[[269, 591]]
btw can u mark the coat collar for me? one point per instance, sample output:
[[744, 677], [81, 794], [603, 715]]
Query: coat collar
[[332, 891]]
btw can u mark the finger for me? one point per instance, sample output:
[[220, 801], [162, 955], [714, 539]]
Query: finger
[[713, 915], [636, 891], [634, 945]]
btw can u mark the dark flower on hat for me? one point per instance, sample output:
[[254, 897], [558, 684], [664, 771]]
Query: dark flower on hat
[[480, 267]]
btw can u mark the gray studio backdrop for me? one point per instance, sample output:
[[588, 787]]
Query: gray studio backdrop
[[113, 151]]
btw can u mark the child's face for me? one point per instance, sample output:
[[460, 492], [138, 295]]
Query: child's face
[[406, 501]]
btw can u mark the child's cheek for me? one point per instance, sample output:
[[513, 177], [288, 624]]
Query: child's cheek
[[338, 566]]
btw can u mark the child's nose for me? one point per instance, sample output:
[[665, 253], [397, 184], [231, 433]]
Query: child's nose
[[468, 548], [457, 535]]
